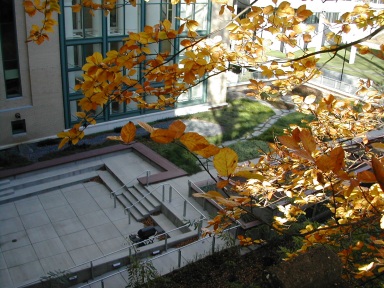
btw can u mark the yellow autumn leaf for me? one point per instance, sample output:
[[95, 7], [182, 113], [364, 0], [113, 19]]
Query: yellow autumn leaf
[[128, 132], [225, 162], [208, 151], [146, 126], [378, 146], [76, 8], [209, 195], [289, 142], [382, 222], [308, 141]]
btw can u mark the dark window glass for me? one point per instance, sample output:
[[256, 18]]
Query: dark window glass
[[18, 126]]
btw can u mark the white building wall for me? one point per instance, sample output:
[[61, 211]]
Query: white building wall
[[41, 103]]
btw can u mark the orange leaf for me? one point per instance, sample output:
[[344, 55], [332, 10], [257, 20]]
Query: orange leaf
[[221, 184], [337, 157], [179, 127], [114, 138], [194, 141], [378, 170], [366, 177], [76, 8], [128, 132], [289, 142], [63, 142], [324, 163], [209, 195], [163, 136], [225, 161], [208, 151], [307, 140]]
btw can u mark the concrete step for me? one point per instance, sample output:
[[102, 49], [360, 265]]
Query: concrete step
[[7, 192], [30, 179], [150, 202], [162, 221], [47, 186], [114, 185], [134, 211]]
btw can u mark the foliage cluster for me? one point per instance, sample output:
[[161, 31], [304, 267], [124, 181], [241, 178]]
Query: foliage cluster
[[331, 162]]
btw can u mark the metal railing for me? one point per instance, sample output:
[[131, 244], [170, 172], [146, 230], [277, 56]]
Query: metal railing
[[114, 193], [91, 263], [170, 196], [213, 246], [335, 84]]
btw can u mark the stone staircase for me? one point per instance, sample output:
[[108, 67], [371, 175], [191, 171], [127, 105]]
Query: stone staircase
[[44, 180], [133, 196]]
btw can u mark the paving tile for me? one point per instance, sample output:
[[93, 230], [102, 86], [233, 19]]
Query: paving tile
[[116, 213], [78, 195], [57, 262], [49, 247], [103, 232], [60, 213], [28, 205], [125, 228], [68, 226], [93, 219], [35, 219], [105, 202], [20, 256], [11, 225], [41, 233], [112, 245], [53, 199], [5, 279], [26, 273], [3, 265], [8, 211], [85, 254], [85, 207], [77, 240], [14, 240], [96, 189]]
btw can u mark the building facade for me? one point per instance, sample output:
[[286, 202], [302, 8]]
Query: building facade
[[37, 96]]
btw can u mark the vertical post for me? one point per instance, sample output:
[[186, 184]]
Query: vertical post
[[185, 208], [213, 244], [102, 283], [166, 243], [200, 226], [130, 252], [170, 194], [148, 174], [92, 270], [163, 196], [129, 216], [189, 188], [179, 260], [114, 200]]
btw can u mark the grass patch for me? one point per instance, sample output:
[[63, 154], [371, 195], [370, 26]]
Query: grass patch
[[283, 123], [238, 119], [250, 149], [174, 153], [365, 66]]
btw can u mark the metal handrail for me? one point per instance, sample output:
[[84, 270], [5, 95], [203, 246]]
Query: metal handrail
[[111, 253], [156, 257], [129, 182], [202, 218]]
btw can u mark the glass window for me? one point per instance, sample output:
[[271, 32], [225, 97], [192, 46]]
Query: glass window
[[198, 11], [8, 49], [18, 126]]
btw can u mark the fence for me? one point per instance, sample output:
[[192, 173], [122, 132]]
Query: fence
[[181, 256], [173, 204]]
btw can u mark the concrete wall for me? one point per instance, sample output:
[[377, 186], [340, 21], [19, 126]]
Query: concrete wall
[[41, 103]]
